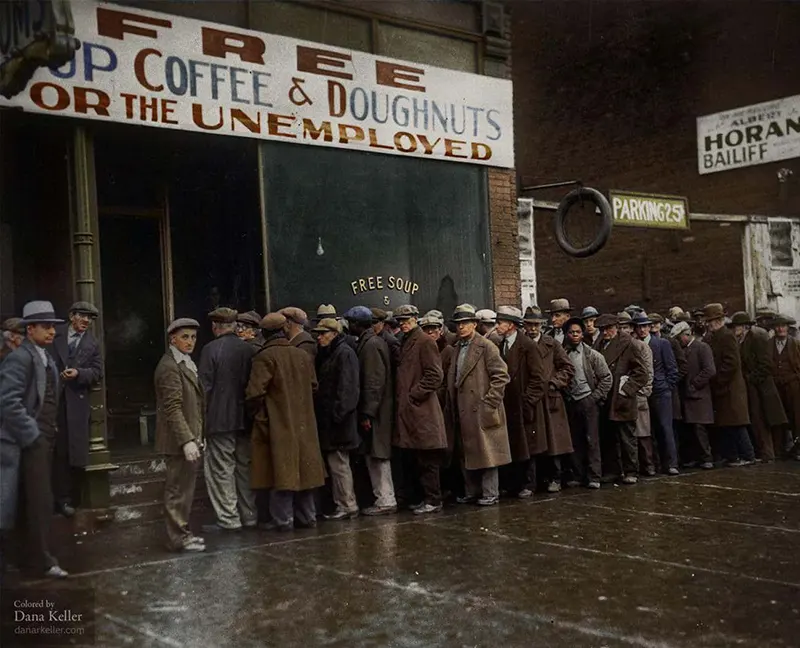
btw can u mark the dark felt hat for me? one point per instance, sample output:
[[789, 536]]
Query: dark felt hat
[[250, 318], [533, 314], [740, 318], [223, 315], [606, 320]]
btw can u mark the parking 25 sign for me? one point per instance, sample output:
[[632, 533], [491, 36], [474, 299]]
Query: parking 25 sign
[[649, 210]]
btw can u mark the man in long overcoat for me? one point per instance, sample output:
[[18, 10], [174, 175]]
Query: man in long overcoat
[[224, 372], [475, 386], [786, 359], [180, 410], [286, 452], [296, 320], [77, 355], [728, 390], [698, 407], [248, 328], [29, 392], [525, 389], [621, 409], [375, 408], [379, 317], [767, 416], [420, 425]]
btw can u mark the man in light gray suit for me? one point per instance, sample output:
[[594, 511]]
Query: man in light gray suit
[[29, 390]]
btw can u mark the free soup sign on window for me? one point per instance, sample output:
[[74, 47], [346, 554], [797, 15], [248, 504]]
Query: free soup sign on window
[[153, 69]]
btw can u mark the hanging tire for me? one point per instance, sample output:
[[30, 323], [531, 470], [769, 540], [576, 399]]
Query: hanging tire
[[594, 196]]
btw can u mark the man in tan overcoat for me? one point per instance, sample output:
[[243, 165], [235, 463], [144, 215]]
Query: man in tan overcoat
[[180, 406], [476, 383], [296, 320], [286, 452]]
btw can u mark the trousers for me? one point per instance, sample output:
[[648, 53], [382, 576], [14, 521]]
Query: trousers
[[482, 483], [285, 506], [694, 443], [380, 474], [227, 471], [661, 422], [344, 495], [584, 424], [180, 480], [736, 444], [36, 504]]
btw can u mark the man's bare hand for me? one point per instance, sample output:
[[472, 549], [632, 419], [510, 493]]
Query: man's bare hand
[[69, 374], [191, 451]]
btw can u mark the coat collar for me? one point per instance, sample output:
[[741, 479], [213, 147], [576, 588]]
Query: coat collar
[[616, 347], [365, 337], [475, 351]]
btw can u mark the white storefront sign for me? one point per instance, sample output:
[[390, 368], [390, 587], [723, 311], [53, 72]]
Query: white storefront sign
[[765, 132], [153, 69]]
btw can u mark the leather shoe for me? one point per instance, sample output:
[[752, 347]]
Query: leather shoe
[[379, 510], [65, 509], [56, 572], [216, 528], [341, 514]]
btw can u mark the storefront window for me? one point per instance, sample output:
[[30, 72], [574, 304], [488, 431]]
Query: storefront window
[[353, 228], [780, 242], [423, 47]]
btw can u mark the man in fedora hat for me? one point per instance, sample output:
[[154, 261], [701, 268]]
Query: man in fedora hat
[[728, 390], [698, 407], [296, 321], [29, 392], [560, 312], [420, 428], [487, 323], [379, 325], [532, 321], [643, 432], [587, 391], [180, 409], [525, 389], [224, 371], [248, 328], [767, 416], [13, 335], [476, 384], [286, 453], [325, 311], [77, 356], [764, 317], [589, 316], [617, 438], [786, 358]]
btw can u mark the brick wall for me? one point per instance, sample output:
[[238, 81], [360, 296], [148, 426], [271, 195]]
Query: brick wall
[[503, 231]]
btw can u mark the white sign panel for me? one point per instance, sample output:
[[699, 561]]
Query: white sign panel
[[153, 69], [765, 132]]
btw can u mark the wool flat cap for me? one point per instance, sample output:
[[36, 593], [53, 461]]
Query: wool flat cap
[[679, 329], [606, 320], [379, 315], [223, 315], [465, 313], [294, 314], [623, 318], [85, 308], [509, 314], [182, 323], [683, 317], [326, 325], [39, 312], [713, 311], [359, 314], [674, 312], [435, 313], [560, 306], [429, 321], [656, 318], [633, 308], [589, 311], [273, 322], [486, 316], [250, 318], [765, 312], [14, 325], [406, 311], [533, 314], [326, 310], [740, 318]]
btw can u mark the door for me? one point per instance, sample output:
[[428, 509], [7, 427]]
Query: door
[[133, 250]]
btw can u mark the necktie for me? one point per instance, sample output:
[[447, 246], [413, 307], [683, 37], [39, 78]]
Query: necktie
[[505, 349], [73, 345]]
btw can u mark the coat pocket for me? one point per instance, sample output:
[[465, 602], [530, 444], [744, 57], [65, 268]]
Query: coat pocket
[[489, 417]]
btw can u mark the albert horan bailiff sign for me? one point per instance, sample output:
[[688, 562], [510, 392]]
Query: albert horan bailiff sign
[[154, 69], [765, 132]]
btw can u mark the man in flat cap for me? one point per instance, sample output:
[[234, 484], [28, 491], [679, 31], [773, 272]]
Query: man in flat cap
[[786, 359], [560, 312], [767, 416], [13, 335], [180, 409], [476, 385], [420, 428], [295, 331], [224, 372], [375, 408], [29, 392], [77, 356], [525, 389], [487, 323], [379, 325], [248, 328], [728, 390], [589, 316], [286, 452]]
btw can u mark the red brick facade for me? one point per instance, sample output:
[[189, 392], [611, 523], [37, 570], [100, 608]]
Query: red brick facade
[[503, 230]]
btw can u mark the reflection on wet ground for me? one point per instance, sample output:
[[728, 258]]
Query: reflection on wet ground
[[704, 559]]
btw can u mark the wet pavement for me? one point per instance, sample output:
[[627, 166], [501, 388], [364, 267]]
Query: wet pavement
[[704, 559]]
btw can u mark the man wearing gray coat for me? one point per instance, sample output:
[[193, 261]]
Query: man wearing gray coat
[[29, 390], [224, 371]]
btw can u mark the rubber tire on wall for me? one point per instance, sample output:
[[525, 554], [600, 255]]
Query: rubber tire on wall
[[583, 193]]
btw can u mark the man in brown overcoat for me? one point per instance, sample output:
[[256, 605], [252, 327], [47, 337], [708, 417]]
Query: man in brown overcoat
[[698, 408], [475, 386], [523, 392], [180, 407], [728, 390], [786, 358], [296, 320], [621, 409], [286, 453], [768, 420], [420, 426]]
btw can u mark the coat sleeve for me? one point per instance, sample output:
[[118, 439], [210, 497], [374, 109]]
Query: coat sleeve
[[762, 359], [347, 389], [260, 378], [535, 389], [498, 376], [432, 374], [93, 371], [205, 370], [169, 386], [670, 364], [563, 369], [707, 368], [373, 379], [14, 418], [726, 369], [603, 377], [638, 375], [680, 358]]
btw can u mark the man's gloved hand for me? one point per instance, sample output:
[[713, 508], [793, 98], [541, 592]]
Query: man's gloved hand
[[191, 451], [366, 424]]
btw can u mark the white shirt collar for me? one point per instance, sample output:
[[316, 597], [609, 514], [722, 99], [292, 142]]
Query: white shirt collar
[[182, 357], [510, 339], [42, 353]]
